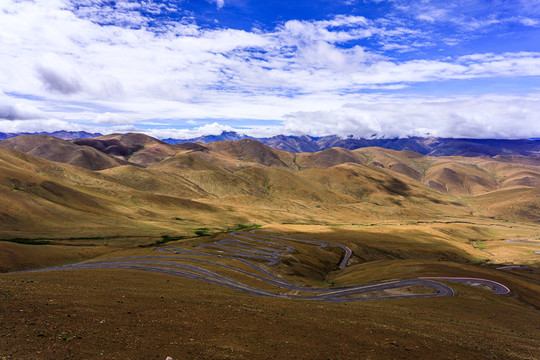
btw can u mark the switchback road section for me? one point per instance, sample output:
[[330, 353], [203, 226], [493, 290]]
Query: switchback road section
[[251, 254]]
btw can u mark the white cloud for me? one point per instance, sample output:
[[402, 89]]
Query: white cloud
[[20, 112], [111, 118], [219, 3], [487, 116], [17, 126], [529, 22], [433, 14], [207, 129], [471, 15], [57, 82], [91, 62], [106, 65]]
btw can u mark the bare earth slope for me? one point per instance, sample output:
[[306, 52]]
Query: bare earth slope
[[385, 217], [128, 313], [50, 148], [248, 180], [59, 200], [138, 149]]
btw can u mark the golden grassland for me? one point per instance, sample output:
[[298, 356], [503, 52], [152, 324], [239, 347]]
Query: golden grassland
[[138, 315], [403, 215], [168, 189]]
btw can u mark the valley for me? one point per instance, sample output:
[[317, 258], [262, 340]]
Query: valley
[[126, 246]]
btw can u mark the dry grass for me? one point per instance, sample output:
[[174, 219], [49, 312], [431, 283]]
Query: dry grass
[[137, 315], [396, 226]]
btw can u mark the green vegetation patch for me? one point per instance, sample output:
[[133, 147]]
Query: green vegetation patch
[[243, 227], [27, 241], [164, 239]]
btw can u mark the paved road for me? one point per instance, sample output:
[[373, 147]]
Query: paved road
[[246, 250], [524, 241], [496, 288], [510, 267]]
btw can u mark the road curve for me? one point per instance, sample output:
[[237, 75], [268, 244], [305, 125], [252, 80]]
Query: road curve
[[524, 241], [257, 248], [510, 267], [496, 288]]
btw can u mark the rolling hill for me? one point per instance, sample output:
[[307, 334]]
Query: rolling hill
[[403, 215], [145, 184], [58, 150], [138, 149]]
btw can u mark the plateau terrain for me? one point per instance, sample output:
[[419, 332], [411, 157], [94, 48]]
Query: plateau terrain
[[127, 246], [433, 146]]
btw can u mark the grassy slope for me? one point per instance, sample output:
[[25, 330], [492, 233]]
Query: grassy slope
[[247, 181], [130, 314], [396, 226], [54, 149], [47, 199]]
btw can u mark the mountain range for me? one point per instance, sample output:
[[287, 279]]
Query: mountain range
[[62, 134], [431, 146], [137, 185], [427, 146]]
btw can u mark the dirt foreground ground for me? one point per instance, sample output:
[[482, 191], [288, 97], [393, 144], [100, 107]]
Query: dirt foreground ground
[[128, 314]]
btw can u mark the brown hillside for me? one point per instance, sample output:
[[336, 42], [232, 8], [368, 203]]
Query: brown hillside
[[222, 183], [457, 175], [136, 148], [518, 159], [518, 204], [54, 199], [461, 179], [54, 149], [35, 195], [385, 215], [409, 163], [377, 192], [200, 160], [283, 184], [154, 182], [252, 151], [229, 180], [327, 158]]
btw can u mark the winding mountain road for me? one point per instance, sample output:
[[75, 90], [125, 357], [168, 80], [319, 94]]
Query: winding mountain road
[[524, 241], [247, 249]]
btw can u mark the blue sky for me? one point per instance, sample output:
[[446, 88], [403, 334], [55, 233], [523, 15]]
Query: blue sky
[[193, 67]]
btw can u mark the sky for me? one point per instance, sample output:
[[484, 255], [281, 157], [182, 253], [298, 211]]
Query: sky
[[186, 68]]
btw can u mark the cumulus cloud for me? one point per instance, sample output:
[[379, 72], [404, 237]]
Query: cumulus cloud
[[182, 62], [108, 64], [16, 126], [219, 3], [111, 118], [528, 21], [56, 81], [487, 117], [471, 15], [19, 112], [214, 128]]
